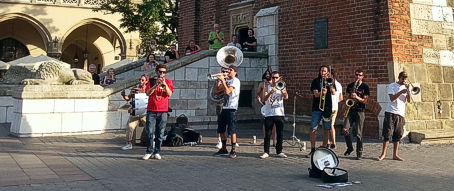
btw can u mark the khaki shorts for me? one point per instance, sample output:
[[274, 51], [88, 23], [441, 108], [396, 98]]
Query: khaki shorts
[[333, 117]]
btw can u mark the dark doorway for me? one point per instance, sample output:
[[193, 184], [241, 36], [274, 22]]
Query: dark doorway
[[242, 35], [11, 49]]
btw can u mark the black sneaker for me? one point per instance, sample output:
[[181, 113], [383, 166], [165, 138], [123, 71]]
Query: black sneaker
[[359, 155], [333, 146], [221, 152], [310, 154], [232, 154], [348, 152]]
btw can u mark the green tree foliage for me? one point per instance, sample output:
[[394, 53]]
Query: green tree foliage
[[155, 20]]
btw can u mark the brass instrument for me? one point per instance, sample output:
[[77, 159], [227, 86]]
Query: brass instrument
[[414, 90], [350, 103], [280, 85], [215, 76], [227, 56], [162, 86]]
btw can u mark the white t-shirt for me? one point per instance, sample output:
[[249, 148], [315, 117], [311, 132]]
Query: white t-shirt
[[335, 97], [275, 105], [238, 45], [398, 105], [231, 100]]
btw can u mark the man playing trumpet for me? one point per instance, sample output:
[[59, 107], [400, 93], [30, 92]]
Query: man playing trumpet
[[274, 114], [395, 115], [227, 117], [158, 106]]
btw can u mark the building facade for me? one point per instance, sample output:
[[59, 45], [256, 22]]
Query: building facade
[[66, 29], [380, 37]]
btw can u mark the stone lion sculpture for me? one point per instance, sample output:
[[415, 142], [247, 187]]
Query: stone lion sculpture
[[53, 73]]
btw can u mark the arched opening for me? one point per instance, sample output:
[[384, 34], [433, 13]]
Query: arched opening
[[11, 49], [21, 31], [92, 42]]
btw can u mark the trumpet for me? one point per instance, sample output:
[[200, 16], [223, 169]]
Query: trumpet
[[350, 103], [280, 85], [161, 85], [215, 76]]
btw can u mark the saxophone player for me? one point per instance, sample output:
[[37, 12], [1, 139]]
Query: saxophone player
[[354, 122]]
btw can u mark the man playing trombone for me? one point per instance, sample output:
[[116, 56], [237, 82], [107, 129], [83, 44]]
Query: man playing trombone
[[395, 115], [275, 93], [322, 88], [354, 121]]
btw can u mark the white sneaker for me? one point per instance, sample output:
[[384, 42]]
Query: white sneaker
[[264, 156], [157, 157], [146, 156], [282, 155], [237, 145], [219, 145], [127, 147]]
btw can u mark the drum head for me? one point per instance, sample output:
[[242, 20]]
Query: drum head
[[323, 158]]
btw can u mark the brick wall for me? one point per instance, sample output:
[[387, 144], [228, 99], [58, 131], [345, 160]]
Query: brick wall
[[358, 37]]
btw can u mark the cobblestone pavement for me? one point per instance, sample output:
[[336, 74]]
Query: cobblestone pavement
[[95, 162]]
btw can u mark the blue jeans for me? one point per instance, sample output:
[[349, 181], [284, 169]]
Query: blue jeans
[[156, 123], [316, 117]]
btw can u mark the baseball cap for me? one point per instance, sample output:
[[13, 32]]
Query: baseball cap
[[403, 75], [234, 68]]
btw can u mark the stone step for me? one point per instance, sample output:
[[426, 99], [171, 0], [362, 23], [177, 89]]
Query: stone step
[[432, 136]]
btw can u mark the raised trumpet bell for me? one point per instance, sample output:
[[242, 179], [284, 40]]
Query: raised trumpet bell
[[215, 76]]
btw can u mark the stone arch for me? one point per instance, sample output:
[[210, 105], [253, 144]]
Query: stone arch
[[42, 30], [108, 27]]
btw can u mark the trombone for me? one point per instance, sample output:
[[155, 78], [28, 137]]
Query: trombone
[[325, 83], [414, 91], [280, 85]]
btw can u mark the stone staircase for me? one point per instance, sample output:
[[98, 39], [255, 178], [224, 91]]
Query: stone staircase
[[436, 136]]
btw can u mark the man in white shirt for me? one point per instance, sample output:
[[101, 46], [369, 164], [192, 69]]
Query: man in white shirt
[[395, 115], [234, 42], [274, 115], [336, 98], [227, 117]]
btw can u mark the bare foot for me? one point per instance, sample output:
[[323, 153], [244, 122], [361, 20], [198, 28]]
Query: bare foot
[[381, 157], [398, 158]]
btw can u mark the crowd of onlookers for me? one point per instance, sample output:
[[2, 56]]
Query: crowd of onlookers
[[215, 42]]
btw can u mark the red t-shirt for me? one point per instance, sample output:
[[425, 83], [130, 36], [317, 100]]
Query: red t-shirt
[[159, 100]]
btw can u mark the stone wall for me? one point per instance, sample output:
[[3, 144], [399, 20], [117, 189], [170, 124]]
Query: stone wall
[[423, 45]]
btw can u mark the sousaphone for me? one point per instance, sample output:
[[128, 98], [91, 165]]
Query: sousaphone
[[227, 56]]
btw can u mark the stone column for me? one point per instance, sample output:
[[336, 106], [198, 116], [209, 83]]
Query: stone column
[[267, 34]]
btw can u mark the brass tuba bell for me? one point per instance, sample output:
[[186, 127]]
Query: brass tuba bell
[[227, 56]]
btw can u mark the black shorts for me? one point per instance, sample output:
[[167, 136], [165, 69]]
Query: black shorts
[[393, 126], [227, 121]]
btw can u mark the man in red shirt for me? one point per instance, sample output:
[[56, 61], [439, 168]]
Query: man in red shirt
[[158, 106]]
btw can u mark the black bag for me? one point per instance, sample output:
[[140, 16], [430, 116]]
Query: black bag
[[315, 171], [189, 135], [174, 136]]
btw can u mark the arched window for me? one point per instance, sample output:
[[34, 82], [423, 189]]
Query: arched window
[[11, 49]]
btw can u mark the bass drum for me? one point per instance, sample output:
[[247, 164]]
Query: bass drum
[[139, 105]]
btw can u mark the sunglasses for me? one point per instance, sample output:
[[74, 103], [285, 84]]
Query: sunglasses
[[162, 72], [358, 74], [275, 77], [143, 80]]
